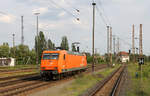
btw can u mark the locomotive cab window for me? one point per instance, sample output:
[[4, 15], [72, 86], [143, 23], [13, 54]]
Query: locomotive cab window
[[64, 56], [47, 56]]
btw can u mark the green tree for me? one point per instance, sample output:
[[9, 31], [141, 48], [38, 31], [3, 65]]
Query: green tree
[[13, 52], [73, 48], [22, 54], [50, 45], [4, 50], [64, 44], [32, 57], [40, 44]]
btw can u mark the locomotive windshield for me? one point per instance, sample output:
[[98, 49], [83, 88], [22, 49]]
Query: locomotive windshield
[[47, 56]]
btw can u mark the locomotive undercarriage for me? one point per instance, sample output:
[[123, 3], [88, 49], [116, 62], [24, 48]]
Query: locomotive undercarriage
[[53, 75]]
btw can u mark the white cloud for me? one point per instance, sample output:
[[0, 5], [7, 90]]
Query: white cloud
[[41, 10], [123, 14], [123, 1], [61, 14], [52, 25], [47, 25], [7, 18]]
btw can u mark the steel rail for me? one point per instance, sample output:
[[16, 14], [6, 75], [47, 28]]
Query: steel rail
[[114, 90], [92, 91]]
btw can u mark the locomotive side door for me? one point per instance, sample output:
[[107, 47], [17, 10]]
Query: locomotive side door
[[64, 62]]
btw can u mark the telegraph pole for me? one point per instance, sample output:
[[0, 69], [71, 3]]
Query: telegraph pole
[[37, 32], [13, 40], [133, 47], [108, 45], [114, 44], [14, 43], [111, 45], [22, 27], [118, 45], [114, 47], [141, 54], [140, 41], [93, 36], [140, 45]]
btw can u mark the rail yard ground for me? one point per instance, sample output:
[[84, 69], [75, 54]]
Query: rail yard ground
[[18, 70], [26, 84], [138, 86], [78, 85]]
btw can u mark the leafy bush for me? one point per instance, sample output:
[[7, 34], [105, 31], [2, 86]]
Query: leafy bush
[[89, 59]]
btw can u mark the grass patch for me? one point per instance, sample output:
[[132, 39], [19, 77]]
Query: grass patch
[[83, 82], [139, 88]]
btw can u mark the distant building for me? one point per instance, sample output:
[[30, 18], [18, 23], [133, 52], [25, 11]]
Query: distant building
[[7, 62], [124, 56]]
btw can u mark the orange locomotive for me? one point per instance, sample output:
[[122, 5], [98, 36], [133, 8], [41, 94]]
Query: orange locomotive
[[55, 64]]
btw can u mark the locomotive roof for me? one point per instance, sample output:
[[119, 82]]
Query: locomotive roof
[[69, 52]]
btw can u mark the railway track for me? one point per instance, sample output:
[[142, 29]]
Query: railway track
[[20, 80], [17, 77], [6, 71], [110, 86], [21, 86]]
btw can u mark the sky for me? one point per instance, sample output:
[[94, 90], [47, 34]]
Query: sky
[[59, 18]]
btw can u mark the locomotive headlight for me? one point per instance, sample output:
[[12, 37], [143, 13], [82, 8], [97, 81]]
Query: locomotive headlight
[[43, 67]]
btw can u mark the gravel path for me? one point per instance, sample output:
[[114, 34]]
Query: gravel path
[[52, 91]]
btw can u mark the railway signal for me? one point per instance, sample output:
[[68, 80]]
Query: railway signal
[[141, 61]]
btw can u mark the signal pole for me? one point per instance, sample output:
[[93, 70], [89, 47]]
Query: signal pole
[[93, 37], [22, 27], [108, 45], [111, 45]]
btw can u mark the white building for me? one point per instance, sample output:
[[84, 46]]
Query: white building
[[124, 57], [7, 61]]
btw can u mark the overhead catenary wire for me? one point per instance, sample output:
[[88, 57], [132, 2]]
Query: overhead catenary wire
[[129, 44], [3, 13], [100, 13], [103, 11], [72, 7], [51, 1]]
